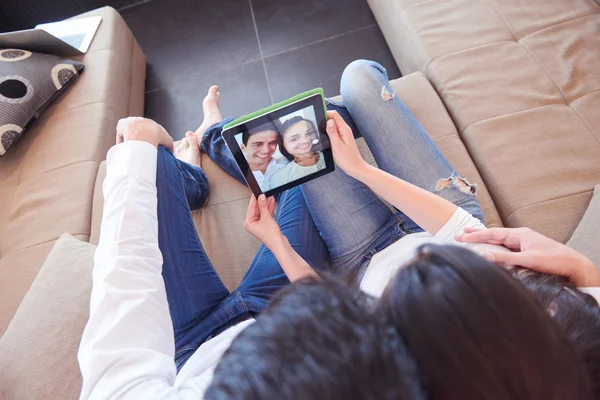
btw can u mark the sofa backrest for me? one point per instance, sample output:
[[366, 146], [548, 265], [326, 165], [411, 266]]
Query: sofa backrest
[[520, 81]]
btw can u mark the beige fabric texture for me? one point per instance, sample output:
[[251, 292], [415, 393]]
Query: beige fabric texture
[[220, 221], [520, 81], [586, 237], [48, 178], [38, 352]]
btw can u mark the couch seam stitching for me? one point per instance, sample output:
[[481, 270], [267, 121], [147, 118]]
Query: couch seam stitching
[[509, 113], [559, 23], [42, 243], [548, 200], [57, 168], [502, 19]]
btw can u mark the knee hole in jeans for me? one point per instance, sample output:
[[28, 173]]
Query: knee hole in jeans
[[463, 184]]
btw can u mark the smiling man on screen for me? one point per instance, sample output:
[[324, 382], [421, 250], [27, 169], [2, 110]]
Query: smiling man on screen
[[259, 145]]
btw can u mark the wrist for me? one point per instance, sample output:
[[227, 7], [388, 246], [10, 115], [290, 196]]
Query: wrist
[[276, 243], [584, 273], [362, 171], [141, 138]]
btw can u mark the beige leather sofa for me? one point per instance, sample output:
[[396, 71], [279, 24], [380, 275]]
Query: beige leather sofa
[[47, 178], [520, 81], [512, 103]]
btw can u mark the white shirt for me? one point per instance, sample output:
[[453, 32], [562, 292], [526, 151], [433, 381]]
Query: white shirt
[[127, 349], [274, 165], [385, 264], [293, 171]]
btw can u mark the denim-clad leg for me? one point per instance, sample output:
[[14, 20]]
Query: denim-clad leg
[[193, 287], [265, 276], [397, 140], [200, 305], [352, 220]]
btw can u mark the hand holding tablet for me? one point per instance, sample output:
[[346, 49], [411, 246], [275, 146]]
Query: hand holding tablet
[[283, 145]]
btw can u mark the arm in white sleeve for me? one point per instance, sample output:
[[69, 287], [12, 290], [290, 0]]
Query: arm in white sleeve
[[127, 348]]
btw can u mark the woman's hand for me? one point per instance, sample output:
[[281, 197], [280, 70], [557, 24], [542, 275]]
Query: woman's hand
[[535, 251], [343, 145], [260, 222]]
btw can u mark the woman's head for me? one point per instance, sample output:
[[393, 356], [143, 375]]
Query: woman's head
[[296, 138], [576, 313], [477, 333]]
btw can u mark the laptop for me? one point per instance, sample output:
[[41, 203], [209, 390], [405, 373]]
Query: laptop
[[64, 38]]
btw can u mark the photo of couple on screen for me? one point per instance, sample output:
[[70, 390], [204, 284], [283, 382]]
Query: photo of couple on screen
[[284, 149]]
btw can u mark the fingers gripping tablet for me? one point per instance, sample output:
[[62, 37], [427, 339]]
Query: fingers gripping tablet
[[282, 146]]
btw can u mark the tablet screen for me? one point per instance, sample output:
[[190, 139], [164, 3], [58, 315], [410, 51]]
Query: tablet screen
[[283, 148]]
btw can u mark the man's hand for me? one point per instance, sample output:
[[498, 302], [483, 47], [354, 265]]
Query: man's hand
[[260, 223], [344, 148], [535, 251], [146, 130]]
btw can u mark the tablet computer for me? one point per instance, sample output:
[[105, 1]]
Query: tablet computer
[[282, 146]]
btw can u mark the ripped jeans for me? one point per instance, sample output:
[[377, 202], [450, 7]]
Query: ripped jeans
[[354, 223]]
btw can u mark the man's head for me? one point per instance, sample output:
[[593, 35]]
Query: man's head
[[317, 340], [259, 144]]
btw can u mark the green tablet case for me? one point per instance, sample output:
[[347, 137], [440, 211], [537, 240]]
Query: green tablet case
[[267, 110]]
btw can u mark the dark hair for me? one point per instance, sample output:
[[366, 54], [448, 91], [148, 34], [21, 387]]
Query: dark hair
[[317, 340], [575, 312], [268, 126], [477, 333], [284, 128]]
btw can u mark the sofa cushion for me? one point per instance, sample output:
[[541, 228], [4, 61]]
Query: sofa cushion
[[519, 79], [29, 82], [38, 352], [585, 237]]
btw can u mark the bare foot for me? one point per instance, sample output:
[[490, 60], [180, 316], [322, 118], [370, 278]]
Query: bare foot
[[187, 149], [210, 107]]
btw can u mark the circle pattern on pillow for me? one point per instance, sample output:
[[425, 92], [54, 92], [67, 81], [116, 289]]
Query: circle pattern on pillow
[[62, 73], [12, 55], [15, 89], [8, 135]]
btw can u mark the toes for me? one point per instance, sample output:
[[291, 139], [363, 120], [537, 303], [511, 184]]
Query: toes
[[191, 138], [213, 90], [184, 144]]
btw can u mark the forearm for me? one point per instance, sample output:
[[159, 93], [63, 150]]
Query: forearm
[[294, 266], [428, 210]]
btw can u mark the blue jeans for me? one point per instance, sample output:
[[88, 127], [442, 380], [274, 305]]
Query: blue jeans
[[359, 225], [352, 220], [200, 305]]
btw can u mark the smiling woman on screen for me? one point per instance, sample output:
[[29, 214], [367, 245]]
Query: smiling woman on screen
[[296, 141]]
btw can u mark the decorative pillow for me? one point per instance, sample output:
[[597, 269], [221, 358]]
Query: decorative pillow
[[586, 238], [38, 351], [29, 82]]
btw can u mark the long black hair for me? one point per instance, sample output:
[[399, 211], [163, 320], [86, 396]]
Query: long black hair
[[283, 129], [575, 312], [477, 333]]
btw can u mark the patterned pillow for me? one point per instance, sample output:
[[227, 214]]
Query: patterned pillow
[[29, 82]]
